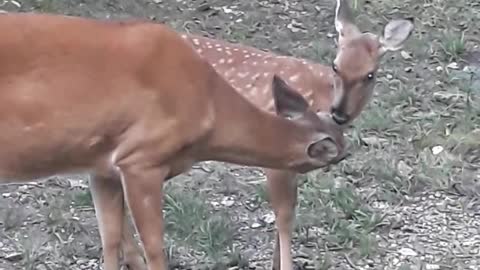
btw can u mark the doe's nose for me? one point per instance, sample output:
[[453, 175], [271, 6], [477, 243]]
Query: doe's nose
[[339, 116]]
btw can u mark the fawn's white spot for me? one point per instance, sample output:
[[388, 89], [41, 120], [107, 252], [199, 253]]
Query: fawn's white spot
[[229, 72], [294, 78], [195, 41], [243, 74], [265, 74], [254, 63], [230, 60], [221, 61], [228, 52], [266, 90], [199, 50], [247, 55], [219, 49]]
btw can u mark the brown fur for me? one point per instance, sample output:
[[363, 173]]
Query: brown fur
[[134, 105]]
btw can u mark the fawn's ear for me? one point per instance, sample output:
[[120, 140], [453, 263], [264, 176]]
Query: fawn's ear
[[395, 33], [324, 148], [344, 21], [288, 102]]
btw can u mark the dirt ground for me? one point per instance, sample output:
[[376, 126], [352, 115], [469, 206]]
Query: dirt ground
[[408, 197]]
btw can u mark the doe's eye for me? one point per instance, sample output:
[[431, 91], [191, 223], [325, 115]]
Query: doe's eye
[[334, 67]]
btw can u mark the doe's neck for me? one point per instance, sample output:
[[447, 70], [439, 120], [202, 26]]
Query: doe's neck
[[245, 134]]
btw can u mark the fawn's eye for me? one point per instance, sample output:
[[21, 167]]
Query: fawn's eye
[[370, 76]]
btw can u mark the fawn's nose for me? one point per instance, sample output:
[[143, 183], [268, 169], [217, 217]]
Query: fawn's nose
[[339, 116]]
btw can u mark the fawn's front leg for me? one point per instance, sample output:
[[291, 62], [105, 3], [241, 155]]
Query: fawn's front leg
[[143, 188], [282, 191], [108, 200]]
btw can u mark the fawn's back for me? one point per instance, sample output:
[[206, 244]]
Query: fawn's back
[[250, 71]]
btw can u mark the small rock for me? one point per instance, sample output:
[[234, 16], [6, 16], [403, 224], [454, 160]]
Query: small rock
[[82, 261], [453, 65], [405, 55], [439, 68], [228, 201], [373, 140], [23, 188], [429, 266], [7, 195], [408, 69], [41, 267], [77, 183], [15, 3], [407, 252], [295, 27], [404, 169], [269, 218], [256, 225], [389, 76], [448, 97], [437, 150], [203, 7], [227, 10], [14, 257]]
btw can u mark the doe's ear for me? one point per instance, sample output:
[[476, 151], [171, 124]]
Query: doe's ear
[[288, 102], [395, 33]]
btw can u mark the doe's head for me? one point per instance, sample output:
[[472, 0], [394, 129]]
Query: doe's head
[[322, 140], [356, 62]]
